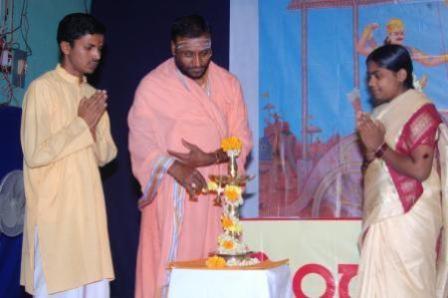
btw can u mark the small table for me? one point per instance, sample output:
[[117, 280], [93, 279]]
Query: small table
[[274, 282]]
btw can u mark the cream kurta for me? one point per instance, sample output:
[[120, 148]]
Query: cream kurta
[[64, 195]]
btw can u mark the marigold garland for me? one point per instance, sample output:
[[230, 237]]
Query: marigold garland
[[229, 194]]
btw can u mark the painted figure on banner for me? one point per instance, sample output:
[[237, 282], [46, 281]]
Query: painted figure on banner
[[403, 240], [279, 176], [326, 183], [181, 111], [65, 137], [396, 35]]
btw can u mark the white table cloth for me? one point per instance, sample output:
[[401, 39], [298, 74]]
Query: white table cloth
[[204, 283]]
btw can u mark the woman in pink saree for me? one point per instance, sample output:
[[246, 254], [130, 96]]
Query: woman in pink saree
[[402, 246]]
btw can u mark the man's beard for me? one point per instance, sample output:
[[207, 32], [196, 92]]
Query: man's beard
[[187, 71]]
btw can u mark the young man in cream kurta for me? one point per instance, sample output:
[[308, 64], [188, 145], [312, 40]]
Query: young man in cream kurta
[[65, 138]]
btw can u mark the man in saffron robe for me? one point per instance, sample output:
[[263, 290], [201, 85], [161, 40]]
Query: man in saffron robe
[[181, 112]]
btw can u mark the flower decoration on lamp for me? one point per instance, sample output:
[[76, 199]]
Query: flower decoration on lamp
[[229, 192]]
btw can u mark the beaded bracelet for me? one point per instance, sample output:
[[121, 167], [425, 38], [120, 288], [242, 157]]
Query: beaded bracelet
[[380, 151], [218, 161]]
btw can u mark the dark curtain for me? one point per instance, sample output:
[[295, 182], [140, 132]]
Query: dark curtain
[[137, 40], [11, 159]]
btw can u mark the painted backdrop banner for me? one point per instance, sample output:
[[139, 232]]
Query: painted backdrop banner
[[311, 80]]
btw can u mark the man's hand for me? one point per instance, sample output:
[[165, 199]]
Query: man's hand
[[188, 177], [195, 157], [91, 109]]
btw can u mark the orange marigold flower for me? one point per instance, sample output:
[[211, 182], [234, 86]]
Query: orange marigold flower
[[231, 195], [232, 192], [231, 143], [215, 262], [228, 244], [226, 222]]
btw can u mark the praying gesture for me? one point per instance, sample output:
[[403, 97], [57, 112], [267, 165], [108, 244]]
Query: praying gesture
[[91, 109], [370, 131]]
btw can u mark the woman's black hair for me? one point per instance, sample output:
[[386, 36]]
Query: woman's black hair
[[393, 57]]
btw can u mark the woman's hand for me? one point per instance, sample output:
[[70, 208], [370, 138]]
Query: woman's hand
[[371, 131]]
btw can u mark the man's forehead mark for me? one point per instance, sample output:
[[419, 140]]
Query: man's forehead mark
[[202, 43]]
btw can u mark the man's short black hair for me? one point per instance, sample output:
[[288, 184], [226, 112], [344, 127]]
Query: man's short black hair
[[76, 25], [189, 26]]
